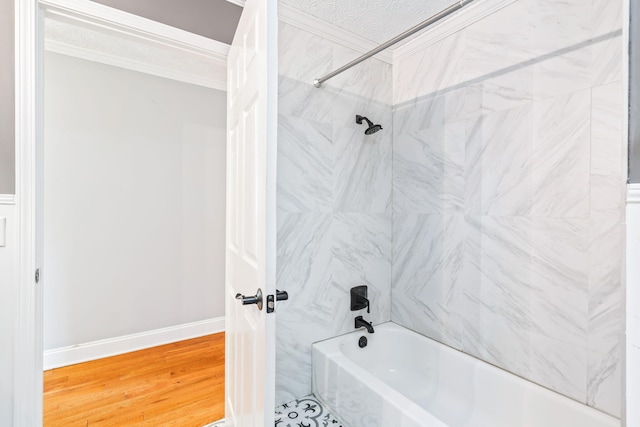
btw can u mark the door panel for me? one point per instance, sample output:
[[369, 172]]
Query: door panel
[[250, 263]]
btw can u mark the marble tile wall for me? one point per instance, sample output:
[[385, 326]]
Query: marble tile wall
[[334, 199], [508, 194]]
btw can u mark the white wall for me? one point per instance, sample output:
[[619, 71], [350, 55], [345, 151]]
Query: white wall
[[7, 117], [134, 202], [633, 307], [8, 294], [8, 298]]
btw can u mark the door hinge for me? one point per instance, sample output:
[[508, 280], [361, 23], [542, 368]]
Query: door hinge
[[37, 276], [280, 296]]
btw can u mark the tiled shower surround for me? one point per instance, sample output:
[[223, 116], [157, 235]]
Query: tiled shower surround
[[334, 199], [488, 217]]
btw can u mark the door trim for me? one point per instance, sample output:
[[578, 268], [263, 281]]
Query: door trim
[[29, 105], [27, 405]]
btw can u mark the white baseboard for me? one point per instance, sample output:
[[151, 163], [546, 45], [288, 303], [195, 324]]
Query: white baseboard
[[113, 346]]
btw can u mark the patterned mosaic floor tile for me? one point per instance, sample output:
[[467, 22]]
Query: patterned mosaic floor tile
[[305, 412]]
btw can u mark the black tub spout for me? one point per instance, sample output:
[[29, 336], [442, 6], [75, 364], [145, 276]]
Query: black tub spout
[[361, 323]]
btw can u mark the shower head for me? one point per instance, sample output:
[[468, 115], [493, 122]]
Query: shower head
[[371, 129]]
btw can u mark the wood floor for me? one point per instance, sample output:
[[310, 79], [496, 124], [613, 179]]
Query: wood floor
[[179, 384]]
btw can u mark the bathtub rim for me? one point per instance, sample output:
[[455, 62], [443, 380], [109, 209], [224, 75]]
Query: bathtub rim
[[336, 353]]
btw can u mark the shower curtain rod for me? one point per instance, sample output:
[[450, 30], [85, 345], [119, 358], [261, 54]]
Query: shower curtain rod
[[435, 18]]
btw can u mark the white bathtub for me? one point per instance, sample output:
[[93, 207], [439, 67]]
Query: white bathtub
[[403, 379]]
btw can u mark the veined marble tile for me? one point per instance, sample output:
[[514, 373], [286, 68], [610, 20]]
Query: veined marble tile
[[304, 258], [498, 270], [608, 194], [487, 337], [428, 170], [531, 273], [607, 146], [604, 381], [606, 17], [606, 310], [500, 91], [455, 107], [417, 115], [561, 156], [305, 101], [320, 257], [305, 165], [562, 71], [498, 41], [560, 265], [606, 22], [548, 32], [431, 111], [364, 89], [606, 63], [425, 73], [498, 164], [362, 171], [406, 74], [559, 366], [303, 56], [428, 255], [525, 51], [524, 31], [296, 330], [361, 255], [370, 79]]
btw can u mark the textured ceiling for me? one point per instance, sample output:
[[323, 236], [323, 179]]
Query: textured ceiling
[[376, 20]]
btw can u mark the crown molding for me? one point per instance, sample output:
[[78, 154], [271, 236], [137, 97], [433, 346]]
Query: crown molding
[[92, 31], [330, 32], [633, 193], [7, 199], [97, 15], [124, 52], [440, 30]]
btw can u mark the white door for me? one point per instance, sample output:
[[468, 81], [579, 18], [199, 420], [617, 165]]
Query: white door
[[251, 221]]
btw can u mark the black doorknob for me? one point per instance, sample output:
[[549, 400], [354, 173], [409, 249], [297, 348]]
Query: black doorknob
[[253, 299]]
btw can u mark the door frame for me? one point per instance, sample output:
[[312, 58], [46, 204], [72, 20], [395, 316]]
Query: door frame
[[29, 107]]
